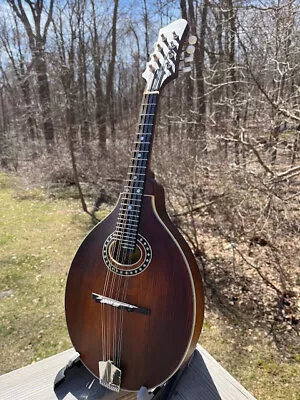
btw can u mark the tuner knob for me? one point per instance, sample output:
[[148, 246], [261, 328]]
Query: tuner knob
[[190, 49], [152, 69], [175, 36], [171, 55], [156, 59], [172, 45], [192, 39], [160, 49], [163, 38]]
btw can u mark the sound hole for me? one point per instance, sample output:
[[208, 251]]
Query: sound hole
[[124, 256]]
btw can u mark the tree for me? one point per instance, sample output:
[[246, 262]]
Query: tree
[[37, 36]]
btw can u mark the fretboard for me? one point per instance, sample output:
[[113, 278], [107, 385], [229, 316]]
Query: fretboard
[[132, 196]]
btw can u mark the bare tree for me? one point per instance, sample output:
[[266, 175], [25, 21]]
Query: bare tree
[[37, 36]]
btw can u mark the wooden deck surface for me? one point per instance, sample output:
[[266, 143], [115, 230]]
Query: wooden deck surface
[[204, 378]]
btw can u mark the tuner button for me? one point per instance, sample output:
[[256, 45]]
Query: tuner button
[[163, 38], [175, 36], [190, 49], [152, 69], [156, 59], [171, 55], [192, 39], [169, 66], [160, 49], [172, 45]]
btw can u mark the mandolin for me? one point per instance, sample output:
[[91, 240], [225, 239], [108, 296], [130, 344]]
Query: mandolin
[[134, 298]]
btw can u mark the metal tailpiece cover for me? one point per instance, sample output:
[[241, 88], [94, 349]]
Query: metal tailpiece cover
[[109, 375]]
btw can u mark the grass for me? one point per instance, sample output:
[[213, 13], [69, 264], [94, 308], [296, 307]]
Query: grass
[[39, 236], [253, 360], [38, 239]]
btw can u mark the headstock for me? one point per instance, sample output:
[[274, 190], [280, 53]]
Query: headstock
[[172, 53]]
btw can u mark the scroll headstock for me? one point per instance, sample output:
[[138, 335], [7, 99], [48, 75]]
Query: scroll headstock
[[167, 59]]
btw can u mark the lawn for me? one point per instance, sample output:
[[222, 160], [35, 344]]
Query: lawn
[[40, 231]]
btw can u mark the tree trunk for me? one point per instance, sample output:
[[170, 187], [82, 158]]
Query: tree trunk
[[110, 78], [199, 60], [30, 120], [100, 106], [44, 98], [82, 83]]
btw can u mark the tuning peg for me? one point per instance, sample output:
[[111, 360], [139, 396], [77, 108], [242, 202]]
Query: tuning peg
[[152, 69], [164, 39], [175, 36], [169, 66], [192, 39], [171, 55], [190, 49], [160, 49], [172, 45], [156, 59]]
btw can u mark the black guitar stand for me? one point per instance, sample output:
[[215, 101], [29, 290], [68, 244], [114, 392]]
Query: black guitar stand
[[76, 379]]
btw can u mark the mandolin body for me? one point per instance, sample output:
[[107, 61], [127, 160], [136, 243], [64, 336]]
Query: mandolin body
[[151, 347]]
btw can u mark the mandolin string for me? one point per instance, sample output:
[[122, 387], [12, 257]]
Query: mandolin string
[[104, 319], [124, 217], [130, 198], [140, 146]]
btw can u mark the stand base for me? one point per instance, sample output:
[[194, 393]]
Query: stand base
[[76, 379]]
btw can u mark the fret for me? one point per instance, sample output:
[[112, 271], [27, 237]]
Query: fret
[[126, 217], [127, 205], [134, 180], [149, 104], [134, 216], [128, 248], [131, 198], [146, 125], [142, 151], [127, 241], [125, 237], [146, 114], [132, 173], [142, 142], [126, 224], [124, 230], [140, 159], [128, 188], [133, 193]]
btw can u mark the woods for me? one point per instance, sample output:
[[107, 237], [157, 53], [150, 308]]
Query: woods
[[227, 139], [75, 67]]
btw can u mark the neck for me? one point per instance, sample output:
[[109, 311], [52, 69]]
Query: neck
[[132, 196]]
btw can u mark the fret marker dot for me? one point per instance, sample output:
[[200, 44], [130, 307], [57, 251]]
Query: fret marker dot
[[139, 155], [142, 138], [129, 207], [138, 191], [135, 177]]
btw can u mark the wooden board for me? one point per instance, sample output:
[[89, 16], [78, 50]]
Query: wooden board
[[204, 378]]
